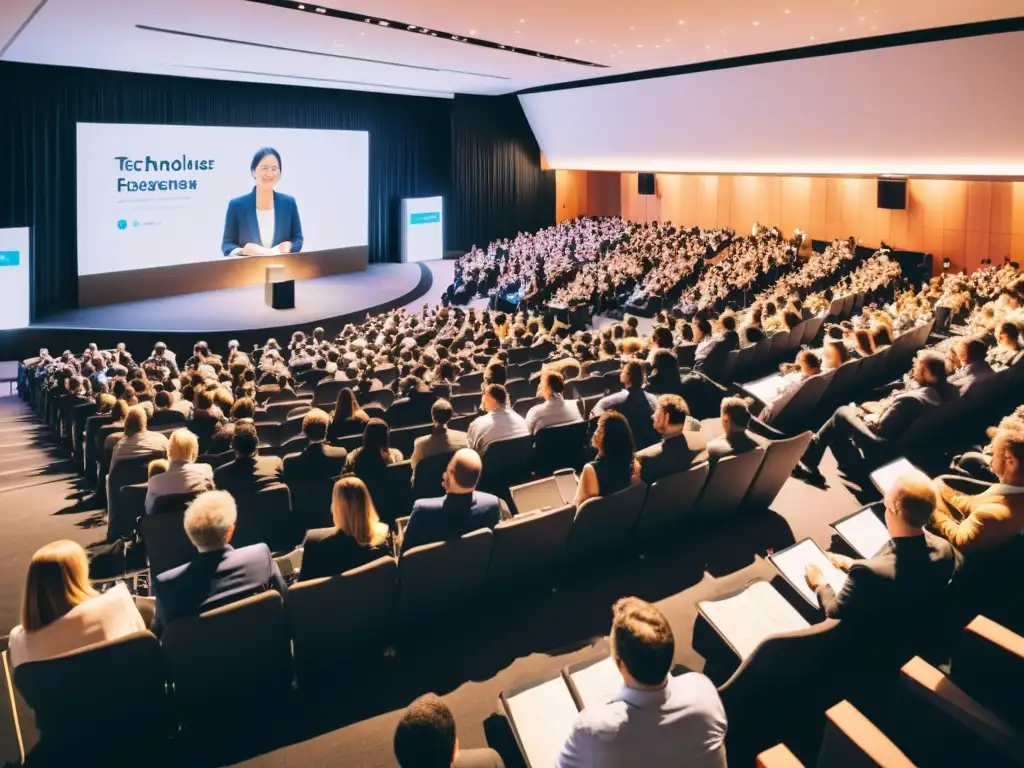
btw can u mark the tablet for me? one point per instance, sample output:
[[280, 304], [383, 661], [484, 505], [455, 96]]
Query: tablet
[[792, 562], [863, 531], [536, 496], [886, 475], [769, 388]]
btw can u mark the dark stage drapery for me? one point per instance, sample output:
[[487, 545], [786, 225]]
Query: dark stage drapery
[[478, 152]]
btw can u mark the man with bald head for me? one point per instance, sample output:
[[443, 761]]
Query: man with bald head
[[461, 510], [897, 594]]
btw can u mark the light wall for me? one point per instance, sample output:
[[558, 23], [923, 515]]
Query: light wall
[[966, 221]]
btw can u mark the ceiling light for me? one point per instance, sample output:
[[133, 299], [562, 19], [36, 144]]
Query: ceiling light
[[757, 23], [632, 27], [639, 45], [522, 21], [786, 10], [472, 31], [681, 22], [657, 46], [302, 7], [708, 47], [812, 37], [842, 29], [577, 41], [872, 27], [861, 19]]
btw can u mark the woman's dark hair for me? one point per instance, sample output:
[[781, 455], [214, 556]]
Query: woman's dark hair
[[662, 337], [613, 438], [377, 439], [665, 363], [865, 343], [346, 406], [880, 333], [263, 152]]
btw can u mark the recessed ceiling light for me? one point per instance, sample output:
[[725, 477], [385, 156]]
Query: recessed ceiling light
[[872, 27], [842, 29], [708, 47], [522, 21], [757, 23], [668, 39], [681, 22], [812, 37], [860, 19], [472, 31], [639, 45], [786, 10], [657, 46], [632, 27]]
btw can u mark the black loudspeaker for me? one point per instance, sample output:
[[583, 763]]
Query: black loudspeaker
[[280, 295], [892, 194], [645, 183]]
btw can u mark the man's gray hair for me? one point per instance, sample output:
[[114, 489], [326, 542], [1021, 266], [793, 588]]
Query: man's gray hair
[[209, 520]]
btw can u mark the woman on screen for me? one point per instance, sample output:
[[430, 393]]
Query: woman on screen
[[263, 222]]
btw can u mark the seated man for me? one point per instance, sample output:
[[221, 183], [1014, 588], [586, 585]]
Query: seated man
[[736, 438], [317, 460], [986, 520], [218, 574], [655, 719], [441, 439], [555, 410], [249, 472], [498, 422], [808, 364], [888, 419], [1007, 349], [164, 415], [462, 509], [426, 738], [634, 402], [973, 367], [899, 592], [679, 448]]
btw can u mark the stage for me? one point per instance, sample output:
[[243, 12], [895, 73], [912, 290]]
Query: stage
[[234, 313]]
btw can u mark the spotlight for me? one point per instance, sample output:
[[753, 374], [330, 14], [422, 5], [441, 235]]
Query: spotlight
[[946, 263]]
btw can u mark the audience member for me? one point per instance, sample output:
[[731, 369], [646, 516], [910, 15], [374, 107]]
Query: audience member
[[248, 472], [183, 474], [357, 538], [426, 738], [972, 366], [555, 410], [656, 719], [348, 418], [736, 438], [679, 449], [376, 451], [138, 440], [441, 439], [634, 402], [616, 466], [317, 459], [219, 574], [62, 613], [499, 421]]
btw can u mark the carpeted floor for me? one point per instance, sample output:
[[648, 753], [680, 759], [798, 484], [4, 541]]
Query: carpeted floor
[[468, 658]]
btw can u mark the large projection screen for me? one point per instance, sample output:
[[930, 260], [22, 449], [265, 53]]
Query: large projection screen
[[162, 205], [951, 108]]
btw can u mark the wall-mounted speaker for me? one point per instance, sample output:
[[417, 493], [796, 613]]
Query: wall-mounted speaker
[[645, 183], [892, 194]]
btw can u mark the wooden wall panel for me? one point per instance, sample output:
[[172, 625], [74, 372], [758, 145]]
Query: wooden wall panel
[[964, 221]]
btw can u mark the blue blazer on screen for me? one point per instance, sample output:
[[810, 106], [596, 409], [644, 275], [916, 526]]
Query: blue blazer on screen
[[241, 226]]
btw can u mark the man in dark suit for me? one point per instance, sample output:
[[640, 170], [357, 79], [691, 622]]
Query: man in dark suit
[[634, 402], [971, 365], [310, 474], [873, 424], [413, 407], [218, 574], [461, 510], [163, 414], [736, 438], [897, 594], [249, 472], [713, 350], [679, 448]]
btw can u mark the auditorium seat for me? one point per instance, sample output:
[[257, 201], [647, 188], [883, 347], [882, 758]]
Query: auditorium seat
[[685, 354], [796, 337], [466, 404], [534, 538], [427, 482], [382, 397], [586, 387], [338, 622], [744, 362], [844, 379], [763, 352], [519, 388], [397, 494], [812, 328], [506, 463], [602, 524], [131, 505], [167, 544], [796, 414], [853, 741], [988, 664], [780, 459], [668, 500], [970, 733], [524, 404], [613, 381], [278, 411], [470, 383], [270, 432], [404, 438], [559, 447], [778, 756], [529, 368], [326, 392], [292, 426], [76, 697], [726, 487], [230, 659], [127, 471], [780, 342], [266, 516], [442, 576]]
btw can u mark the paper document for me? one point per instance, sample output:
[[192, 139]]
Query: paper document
[[864, 532], [747, 618], [543, 716], [597, 683], [770, 387], [885, 476], [793, 561], [548, 493]]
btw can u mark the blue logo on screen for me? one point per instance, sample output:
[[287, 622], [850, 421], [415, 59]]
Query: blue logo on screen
[[9, 258], [424, 218], [122, 224]]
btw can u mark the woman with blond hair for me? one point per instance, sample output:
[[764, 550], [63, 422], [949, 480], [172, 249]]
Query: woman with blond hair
[[357, 538], [61, 612]]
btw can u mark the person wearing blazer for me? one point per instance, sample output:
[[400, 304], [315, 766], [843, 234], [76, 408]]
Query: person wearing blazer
[[994, 516], [441, 439], [899, 593], [183, 475], [263, 222], [461, 510], [679, 449], [218, 574], [249, 472]]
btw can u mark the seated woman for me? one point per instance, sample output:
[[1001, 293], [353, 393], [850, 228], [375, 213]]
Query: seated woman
[[834, 354], [357, 538], [863, 342], [183, 474], [61, 612], [375, 453], [348, 418], [881, 334], [664, 378], [615, 467]]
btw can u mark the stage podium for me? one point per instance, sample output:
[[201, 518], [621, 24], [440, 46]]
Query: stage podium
[[279, 288]]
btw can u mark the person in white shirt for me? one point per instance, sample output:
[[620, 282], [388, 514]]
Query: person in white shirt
[[183, 475], [61, 612], [138, 440], [498, 422], [655, 718], [555, 409]]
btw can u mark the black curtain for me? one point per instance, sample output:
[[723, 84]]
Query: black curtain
[[494, 150], [410, 151]]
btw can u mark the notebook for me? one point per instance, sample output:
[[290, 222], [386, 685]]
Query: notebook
[[546, 493], [863, 531], [886, 475], [745, 618], [770, 387], [541, 717], [792, 562], [592, 682]]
